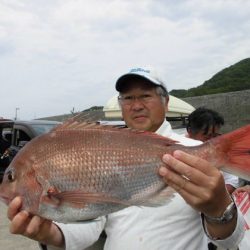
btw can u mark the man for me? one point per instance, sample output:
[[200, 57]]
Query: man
[[175, 225], [4, 145], [204, 124]]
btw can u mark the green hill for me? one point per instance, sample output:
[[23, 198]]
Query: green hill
[[233, 78]]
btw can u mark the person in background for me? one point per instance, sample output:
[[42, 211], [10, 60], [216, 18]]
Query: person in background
[[204, 124], [245, 188], [4, 145], [244, 204], [196, 210]]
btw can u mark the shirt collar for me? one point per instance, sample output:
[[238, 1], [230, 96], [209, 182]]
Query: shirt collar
[[165, 129]]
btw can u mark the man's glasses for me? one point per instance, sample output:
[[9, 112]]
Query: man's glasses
[[130, 99]]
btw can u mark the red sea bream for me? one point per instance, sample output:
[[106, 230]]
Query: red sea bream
[[80, 171]]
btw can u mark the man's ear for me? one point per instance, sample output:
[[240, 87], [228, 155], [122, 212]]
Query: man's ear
[[166, 103]]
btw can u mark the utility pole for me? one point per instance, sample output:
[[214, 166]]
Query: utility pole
[[16, 113]]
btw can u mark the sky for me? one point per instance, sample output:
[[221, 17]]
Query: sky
[[60, 55]]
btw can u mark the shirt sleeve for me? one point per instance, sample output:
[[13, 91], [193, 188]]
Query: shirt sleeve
[[231, 179], [234, 239], [80, 235]]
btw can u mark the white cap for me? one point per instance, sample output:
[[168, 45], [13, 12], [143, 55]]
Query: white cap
[[144, 73]]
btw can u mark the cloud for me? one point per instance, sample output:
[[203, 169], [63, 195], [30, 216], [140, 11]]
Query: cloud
[[66, 53]]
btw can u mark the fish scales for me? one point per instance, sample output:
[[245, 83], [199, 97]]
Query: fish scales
[[114, 164], [80, 171], [107, 160]]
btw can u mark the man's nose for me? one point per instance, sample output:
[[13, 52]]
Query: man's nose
[[137, 104]]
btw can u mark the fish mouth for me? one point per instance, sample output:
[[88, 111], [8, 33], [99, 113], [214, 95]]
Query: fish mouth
[[5, 199]]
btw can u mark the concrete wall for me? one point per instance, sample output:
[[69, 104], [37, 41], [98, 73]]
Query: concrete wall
[[234, 106]]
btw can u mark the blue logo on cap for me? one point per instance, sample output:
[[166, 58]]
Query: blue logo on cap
[[139, 70]]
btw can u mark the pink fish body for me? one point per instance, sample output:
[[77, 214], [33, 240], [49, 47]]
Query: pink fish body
[[80, 171]]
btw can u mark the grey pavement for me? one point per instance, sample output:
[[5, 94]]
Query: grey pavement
[[9, 241]]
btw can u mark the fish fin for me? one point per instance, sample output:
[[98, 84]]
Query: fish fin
[[236, 148], [50, 200], [163, 197], [79, 198], [78, 124], [155, 138], [49, 197], [82, 122]]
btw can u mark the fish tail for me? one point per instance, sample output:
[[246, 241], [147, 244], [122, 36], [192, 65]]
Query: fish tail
[[235, 148]]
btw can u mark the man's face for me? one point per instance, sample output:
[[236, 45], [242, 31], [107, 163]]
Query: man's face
[[142, 108], [201, 136]]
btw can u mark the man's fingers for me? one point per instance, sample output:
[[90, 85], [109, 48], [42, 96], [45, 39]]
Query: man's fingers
[[195, 169], [18, 223], [33, 228], [14, 207], [178, 166], [194, 161], [177, 181], [181, 185], [184, 178]]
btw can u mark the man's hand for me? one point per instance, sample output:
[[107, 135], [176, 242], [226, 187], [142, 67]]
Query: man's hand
[[201, 185], [33, 227]]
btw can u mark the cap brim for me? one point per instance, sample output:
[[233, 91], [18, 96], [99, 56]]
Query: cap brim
[[120, 83]]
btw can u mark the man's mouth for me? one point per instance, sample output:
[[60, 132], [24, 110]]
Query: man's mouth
[[139, 118]]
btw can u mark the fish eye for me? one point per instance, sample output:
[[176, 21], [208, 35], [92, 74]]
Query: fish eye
[[10, 175]]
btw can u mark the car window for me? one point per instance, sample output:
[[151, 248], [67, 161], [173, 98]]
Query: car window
[[42, 128], [20, 136]]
